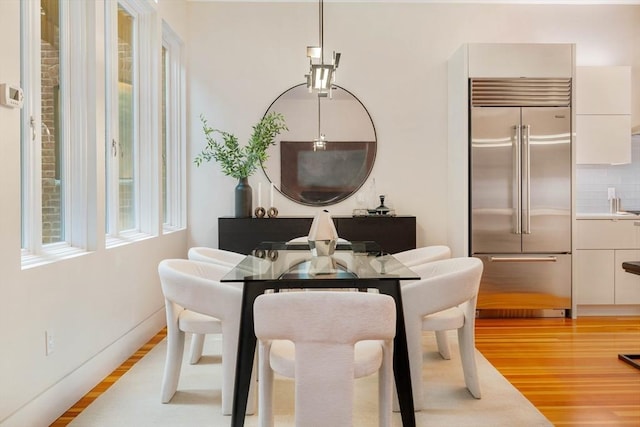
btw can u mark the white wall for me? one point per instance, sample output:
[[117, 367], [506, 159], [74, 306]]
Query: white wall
[[394, 59], [100, 306]]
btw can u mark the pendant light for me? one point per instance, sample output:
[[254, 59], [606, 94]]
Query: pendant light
[[321, 75], [319, 143]]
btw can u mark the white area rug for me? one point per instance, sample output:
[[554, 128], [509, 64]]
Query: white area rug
[[134, 400]]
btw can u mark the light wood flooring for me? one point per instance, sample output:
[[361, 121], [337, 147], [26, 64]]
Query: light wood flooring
[[569, 369]]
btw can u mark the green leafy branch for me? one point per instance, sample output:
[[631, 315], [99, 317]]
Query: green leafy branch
[[234, 160]]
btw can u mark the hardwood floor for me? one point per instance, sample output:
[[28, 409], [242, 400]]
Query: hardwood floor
[[569, 369]]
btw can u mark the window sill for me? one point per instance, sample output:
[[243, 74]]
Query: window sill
[[50, 255], [125, 239], [168, 229]]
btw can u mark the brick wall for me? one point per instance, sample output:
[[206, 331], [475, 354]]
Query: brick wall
[[51, 188]]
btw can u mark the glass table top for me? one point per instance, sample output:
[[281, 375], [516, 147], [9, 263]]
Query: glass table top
[[294, 262]]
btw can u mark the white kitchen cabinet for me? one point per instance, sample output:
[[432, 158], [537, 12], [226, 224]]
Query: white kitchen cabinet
[[603, 139], [603, 90], [603, 115], [627, 285], [594, 276], [607, 234], [520, 60], [602, 245]]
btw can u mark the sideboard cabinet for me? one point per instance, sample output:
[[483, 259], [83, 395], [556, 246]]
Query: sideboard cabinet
[[242, 235]]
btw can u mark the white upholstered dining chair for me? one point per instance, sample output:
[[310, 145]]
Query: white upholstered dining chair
[[216, 256], [422, 255], [197, 302], [324, 340], [443, 299], [202, 324], [417, 256]]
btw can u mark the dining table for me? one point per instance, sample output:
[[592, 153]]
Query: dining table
[[358, 266]]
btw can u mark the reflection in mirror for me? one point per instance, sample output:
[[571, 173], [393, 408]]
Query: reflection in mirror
[[329, 149]]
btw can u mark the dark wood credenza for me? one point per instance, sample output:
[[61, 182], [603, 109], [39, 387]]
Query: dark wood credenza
[[242, 235]]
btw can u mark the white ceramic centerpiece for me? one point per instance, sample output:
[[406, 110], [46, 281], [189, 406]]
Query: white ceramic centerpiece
[[323, 236]]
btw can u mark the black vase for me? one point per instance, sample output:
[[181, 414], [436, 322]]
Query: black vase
[[244, 198]]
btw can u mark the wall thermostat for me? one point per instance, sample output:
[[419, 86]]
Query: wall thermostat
[[10, 95]]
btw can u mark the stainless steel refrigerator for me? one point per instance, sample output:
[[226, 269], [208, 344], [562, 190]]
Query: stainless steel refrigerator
[[520, 198]]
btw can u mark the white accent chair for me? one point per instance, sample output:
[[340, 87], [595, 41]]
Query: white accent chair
[[216, 256], [331, 340], [203, 324], [197, 302], [417, 256], [414, 257], [443, 299]]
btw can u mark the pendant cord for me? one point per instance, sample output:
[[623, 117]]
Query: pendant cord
[[321, 15], [319, 134]]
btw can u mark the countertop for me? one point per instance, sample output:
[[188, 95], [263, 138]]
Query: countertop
[[623, 216]]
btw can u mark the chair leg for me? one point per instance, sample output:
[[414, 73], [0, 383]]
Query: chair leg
[[173, 363], [466, 341], [265, 386], [197, 344], [385, 385], [443, 344]]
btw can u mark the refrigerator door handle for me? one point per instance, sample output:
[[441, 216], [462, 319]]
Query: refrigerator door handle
[[523, 259], [518, 180], [526, 229]]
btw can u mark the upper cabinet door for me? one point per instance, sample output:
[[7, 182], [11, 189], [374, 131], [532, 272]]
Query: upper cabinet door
[[603, 90], [603, 115], [520, 60], [603, 139]]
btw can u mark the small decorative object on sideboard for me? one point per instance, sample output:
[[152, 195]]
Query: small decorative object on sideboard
[[260, 211], [272, 212], [241, 162], [382, 209]]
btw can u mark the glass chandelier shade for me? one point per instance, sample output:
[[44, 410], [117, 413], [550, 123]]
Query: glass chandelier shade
[[321, 76]]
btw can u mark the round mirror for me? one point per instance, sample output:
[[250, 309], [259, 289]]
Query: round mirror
[[329, 149]]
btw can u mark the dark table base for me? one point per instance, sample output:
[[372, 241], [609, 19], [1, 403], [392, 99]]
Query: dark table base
[[247, 342]]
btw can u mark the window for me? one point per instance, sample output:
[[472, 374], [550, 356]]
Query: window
[[63, 133], [132, 134], [173, 180], [56, 82]]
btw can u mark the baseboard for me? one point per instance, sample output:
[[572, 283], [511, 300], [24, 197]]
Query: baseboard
[[53, 402], [608, 310]]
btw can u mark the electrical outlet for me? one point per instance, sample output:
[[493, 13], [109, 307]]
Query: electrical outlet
[[50, 343]]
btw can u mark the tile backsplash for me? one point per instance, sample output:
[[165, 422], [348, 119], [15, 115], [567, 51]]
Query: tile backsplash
[[592, 182]]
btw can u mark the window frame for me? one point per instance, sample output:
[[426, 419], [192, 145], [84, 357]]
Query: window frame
[[146, 122], [175, 135], [77, 78]]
